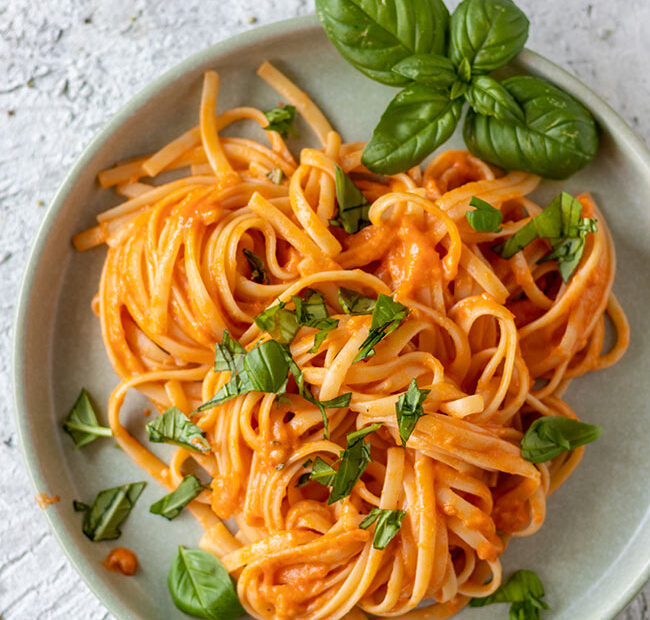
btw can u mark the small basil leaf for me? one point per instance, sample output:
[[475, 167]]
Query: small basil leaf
[[353, 302], [558, 136], [322, 473], [201, 587], [281, 324], [490, 98], [408, 409], [325, 326], [353, 206], [549, 436], [389, 523], [458, 89], [484, 218], [257, 267], [175, 427], [310, 307], [428, 69], [173, 503], [280, 119], [228, 355], [80, 506], [465, 70], [276, 175], [109, 510], [415, 122], [387, 316], [524, 590], [81, 423], [488, 33], [374, 35], [354, 460]]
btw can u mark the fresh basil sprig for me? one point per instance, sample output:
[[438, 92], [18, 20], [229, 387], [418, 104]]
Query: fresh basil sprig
[[387, 315], [524, 590], [257, 266], [484, 218], [562, 225], [389, 523], [109, 510], [172, 504], [522, 123], [281, 119], [175, 427], [81, 423], [201, 587], [549, 436], [408, 410], [353, 206]]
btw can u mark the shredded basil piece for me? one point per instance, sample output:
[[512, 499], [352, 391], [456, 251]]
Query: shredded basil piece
[[549, 436], [281, 119], [387, 316], [228, 355], [257, 267], [175, 427], [172, 504], [281, 324], [389, 523], [111, 507], [81, 423], [524, 590], [276, 175], [353, 205], [408, 409], [311, 311], [485, 218], [353, 302], [562, 225]]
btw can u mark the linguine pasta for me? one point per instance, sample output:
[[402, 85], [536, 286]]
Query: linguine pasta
[[496, 342]]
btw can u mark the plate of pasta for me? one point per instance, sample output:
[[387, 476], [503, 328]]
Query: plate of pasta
[[355, 368]]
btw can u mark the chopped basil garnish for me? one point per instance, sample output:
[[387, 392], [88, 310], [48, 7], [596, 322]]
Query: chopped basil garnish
[[175, 427], [353, 205], [276, 175], [524, 590], [562, 225], [79, 506], [201, 587], [322, 473], [353, 302], [281, 324], [81, 423], [386, 318], [484, 218], [257, 266], [408, 409], [281, 119], [228, 355], [551, 435], [388, 524], [111, 507], [173, 503]]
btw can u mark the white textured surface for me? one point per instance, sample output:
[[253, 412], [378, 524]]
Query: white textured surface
[[67, 65]]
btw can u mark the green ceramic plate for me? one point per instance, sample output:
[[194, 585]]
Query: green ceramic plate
[[593, 552]]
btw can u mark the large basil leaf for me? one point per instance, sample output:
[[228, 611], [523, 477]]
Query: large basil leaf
[[549, 436], [109, 510], [415, 122], [201, 587], [558, 136], [428, 69], [488, 33], [490, 98], [374, 35]]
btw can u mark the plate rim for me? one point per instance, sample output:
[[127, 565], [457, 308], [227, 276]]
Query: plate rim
[[535, 63]]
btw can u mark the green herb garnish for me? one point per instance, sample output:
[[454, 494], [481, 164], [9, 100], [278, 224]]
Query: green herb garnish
[[353, 205], [408, 409], [201, 587], [111, 507], [81, 423], [281, 119], [257, 267], [551, 435], [484, 218], [389, 523], [353, 302], [281, 324], [524, 590], [276, 175], [175, 427], [387, 316], [172, 504]]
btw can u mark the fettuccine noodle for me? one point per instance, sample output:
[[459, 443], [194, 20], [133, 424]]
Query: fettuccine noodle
[[495, 341]]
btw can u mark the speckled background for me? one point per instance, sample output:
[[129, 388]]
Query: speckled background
[[67, 65]]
